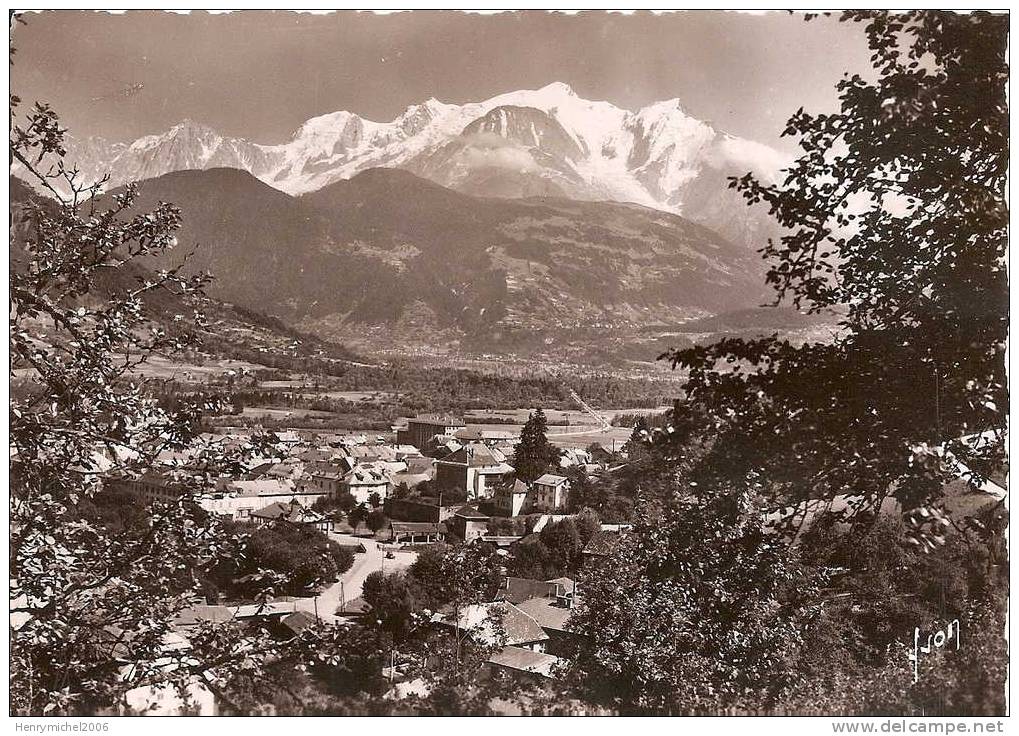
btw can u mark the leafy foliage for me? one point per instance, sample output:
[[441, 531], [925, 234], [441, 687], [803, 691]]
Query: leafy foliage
[[895, 217], [96, 584], [375, 520], [854, 659], [697, 607], [87, 600], [342, 502], [393, 602], [459, 575], [895, 220], [301, 558]]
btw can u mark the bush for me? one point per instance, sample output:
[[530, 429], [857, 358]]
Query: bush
[[376, 520], [342, 502], [304, 557]]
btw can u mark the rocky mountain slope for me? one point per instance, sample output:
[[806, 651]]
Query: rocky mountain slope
[[544, 142], [387, 248]]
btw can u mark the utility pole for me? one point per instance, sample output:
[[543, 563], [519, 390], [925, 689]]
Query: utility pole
[[456, 634], [937, 403]]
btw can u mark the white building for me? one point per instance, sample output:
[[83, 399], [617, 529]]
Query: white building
[[236, 499], [364, 480], [550, 492]]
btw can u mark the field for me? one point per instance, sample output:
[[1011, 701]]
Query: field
[[274, 412], [566, 428]]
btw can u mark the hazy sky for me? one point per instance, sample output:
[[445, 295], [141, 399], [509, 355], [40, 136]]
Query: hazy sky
[[261, 74]]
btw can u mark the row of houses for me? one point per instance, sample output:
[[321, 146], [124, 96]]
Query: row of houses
[[527, 624], [302, 469], [469, 462]]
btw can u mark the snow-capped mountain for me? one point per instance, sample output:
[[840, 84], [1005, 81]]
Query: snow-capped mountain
[[547, 141]]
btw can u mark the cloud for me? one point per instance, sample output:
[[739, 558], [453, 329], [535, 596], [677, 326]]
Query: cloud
[[492, 150], [737, 153]]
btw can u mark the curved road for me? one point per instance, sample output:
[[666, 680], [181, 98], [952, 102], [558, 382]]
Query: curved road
[[350, 584]]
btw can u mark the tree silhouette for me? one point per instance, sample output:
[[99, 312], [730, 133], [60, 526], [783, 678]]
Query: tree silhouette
[[534, 454], [375, 520], [895, 221], [95, 596]]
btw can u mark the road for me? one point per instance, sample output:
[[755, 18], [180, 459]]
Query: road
[[350, 584]]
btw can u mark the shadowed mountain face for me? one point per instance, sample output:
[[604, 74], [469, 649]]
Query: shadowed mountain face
[[387, 246], [231, 330]]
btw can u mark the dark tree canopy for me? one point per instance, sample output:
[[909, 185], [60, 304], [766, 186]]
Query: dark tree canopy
[[393, 603], [696, 608], [534, 455], [375, 520], [895, 221]]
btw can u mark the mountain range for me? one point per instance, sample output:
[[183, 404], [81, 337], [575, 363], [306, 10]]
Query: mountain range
[[525, 223], [544, 142]]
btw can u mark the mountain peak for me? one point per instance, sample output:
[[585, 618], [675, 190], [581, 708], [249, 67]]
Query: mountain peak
[[417, 117], [186, 128], [558, 88], [665, 108], [189, 125], [328, 123]]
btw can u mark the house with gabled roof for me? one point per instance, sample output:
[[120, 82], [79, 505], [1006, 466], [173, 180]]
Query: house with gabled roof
[[572, 457], [517, 590], [550, 492], [468, 523], [498, 622], [553, 615], [512, 499], [325, 478], [296, 623], [475, 468], [524, 663], [364, 480], [290, 513]]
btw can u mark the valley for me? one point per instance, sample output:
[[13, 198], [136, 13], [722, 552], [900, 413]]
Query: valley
[[534, 230]]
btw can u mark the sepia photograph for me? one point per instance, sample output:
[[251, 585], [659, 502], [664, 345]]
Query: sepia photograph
[[509, 363]]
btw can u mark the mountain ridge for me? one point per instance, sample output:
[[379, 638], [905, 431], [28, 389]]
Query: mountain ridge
[[520, 143], [388, 253], [234, 331]]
